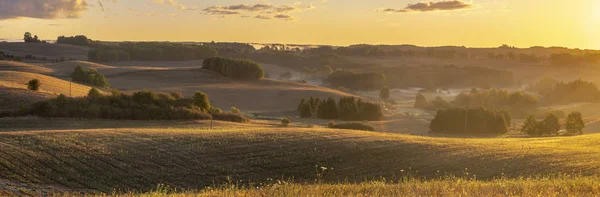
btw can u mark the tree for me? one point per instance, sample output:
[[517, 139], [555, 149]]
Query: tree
[[201, 100], [384, 93], [328, 109], [530, 126], [79, 74], [234, 110], [420, 101], [94, 93], [34, 84], [574, 123], [305, 110], [550, 125], [285, 122]]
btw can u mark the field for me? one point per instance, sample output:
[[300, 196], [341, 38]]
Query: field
[[137, 156]]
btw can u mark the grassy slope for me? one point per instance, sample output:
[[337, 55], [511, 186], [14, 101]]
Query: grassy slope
[[23, 67], [141, 158], [49, 85]]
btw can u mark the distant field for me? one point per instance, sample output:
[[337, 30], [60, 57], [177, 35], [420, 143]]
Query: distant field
[[141, 157], [50, 85], [50, 51]]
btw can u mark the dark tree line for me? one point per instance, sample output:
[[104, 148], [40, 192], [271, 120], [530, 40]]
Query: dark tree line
[[550, 125], [143, 105], [28, 38], [347, 108], [470, 121], [75, 40], [234, 68], [89, 76], [150, 51], [357, 81]]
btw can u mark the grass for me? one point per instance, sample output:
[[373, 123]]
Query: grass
[[50, 85], [549, 186], [138, 158]]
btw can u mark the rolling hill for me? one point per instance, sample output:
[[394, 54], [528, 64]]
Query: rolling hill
[[139, 158], [50, 51], [24, 67]]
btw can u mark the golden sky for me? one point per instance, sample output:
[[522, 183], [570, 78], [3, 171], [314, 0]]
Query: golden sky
[[474, 23]]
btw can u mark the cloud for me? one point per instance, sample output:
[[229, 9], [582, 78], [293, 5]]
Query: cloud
[[43, 9], [432, 6], [260, 11]]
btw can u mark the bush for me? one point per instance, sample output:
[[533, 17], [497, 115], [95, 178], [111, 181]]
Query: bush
[[285, 122], [231, 117], [384, 93], [234, 68], [234, 110], [353, 126], [34, 85], [421, 102], [94, 93], [215, 110], [201, 100], [176, 95]]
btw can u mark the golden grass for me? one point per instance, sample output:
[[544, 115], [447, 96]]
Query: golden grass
[[50, 85], [24, 67], [547, 187], [139, 158]]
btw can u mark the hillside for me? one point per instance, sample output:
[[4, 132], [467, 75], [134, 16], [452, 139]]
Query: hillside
[[256, 96], [50, 84], [113, 156], [23, 67]]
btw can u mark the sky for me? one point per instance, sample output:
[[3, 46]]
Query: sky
[[471, 23]]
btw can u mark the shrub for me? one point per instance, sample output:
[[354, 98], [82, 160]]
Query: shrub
[[384, 93], [234, 68], [231, 117], [201, 100], [34, 84], [176, 95], [285, 122], [94, 93], [421, 102], [215, 110], [234, 110], [353, 126], [331, 123]]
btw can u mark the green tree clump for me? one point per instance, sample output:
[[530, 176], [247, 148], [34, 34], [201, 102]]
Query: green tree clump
[[34, 85], [234, 68], [574, 123], [90, 76], [470, 121]]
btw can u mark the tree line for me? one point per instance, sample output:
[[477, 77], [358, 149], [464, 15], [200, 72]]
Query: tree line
[[346, 108], [550, 125], [234, 68], [80, 40], [150, 51], [142, 105], [470, 121], [357, 81]]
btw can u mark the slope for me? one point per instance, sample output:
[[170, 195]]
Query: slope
[[141, 158]]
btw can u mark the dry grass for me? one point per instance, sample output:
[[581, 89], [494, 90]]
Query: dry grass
[[194, 157], [13, 98], [24, 67], [50, 85], [531, 187]]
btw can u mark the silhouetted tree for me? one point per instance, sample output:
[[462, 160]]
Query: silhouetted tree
[[34, 84], [574, 123], [421, 102], [531, 126], [384, 93], [201, 100]]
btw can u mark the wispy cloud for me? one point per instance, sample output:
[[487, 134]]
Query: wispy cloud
[[43, 9], [432, 6], [260, 11]]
